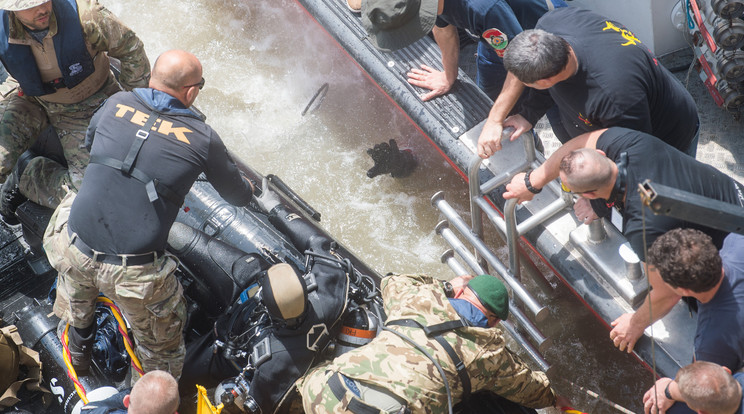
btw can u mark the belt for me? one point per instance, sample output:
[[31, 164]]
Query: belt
[[111, 258]]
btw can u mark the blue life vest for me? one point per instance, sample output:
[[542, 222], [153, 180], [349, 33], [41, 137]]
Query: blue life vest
[[73, 58]]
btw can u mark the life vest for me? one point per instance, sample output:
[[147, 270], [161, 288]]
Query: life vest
[[73, 57]]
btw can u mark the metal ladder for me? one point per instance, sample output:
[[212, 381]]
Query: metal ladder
[[508, 228]]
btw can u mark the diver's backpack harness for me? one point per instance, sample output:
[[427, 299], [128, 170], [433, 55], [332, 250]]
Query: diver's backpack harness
[[357, 406], [436, 331], [152, 185]]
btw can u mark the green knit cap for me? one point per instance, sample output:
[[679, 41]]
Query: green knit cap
[[492, 294]]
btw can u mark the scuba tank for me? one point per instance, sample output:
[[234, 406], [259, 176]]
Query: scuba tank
[[358, 328]]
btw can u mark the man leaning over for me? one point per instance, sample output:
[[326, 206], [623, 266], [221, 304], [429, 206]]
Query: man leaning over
[[598, 74], [690, 265], [393, 25], [58, 52], [148, 150], [605, 167], [390, 373]]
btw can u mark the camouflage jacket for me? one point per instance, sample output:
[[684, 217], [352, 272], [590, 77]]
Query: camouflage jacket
[[393, 364], [106, 33]]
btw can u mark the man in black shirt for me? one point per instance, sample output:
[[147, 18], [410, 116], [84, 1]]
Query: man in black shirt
[[607, 165], [148, 150], [598, 74]]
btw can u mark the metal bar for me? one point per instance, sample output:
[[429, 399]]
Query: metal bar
[[526, 345], [449, 236], [512, 237], [448, 257], [542, 215], [540, 312], [533, 331]]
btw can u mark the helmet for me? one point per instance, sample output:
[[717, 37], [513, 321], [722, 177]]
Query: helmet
[[285, 295], [17, 5]]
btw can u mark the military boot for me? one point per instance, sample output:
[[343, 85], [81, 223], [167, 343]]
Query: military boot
[[10, 192], [10, 198], [80, 343]]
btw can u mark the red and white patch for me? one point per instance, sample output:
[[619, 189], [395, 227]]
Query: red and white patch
[[497, 39]]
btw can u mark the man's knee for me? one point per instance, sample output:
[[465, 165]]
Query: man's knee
[[45, 182], [21, 122]]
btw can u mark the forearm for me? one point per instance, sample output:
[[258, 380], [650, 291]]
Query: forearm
[[106, 33], [449, 45], [510, 93], [656, 305], [515, 381]]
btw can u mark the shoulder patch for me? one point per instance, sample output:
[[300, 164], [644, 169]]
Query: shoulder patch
[[497, 40]]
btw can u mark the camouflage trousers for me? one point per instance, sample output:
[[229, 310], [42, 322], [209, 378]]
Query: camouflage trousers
[[319, 398], [149, 295], [23, 118]]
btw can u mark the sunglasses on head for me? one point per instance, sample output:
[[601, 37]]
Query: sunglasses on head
[[200, 84], [568, 190]]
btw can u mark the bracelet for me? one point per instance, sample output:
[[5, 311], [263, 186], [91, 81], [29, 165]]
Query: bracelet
[[667, 393], [527, 183]]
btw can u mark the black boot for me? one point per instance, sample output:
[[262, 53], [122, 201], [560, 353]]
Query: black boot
[[10, 199], [80, 343], [10, 192]]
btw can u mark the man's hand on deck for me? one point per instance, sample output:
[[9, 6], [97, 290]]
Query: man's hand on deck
[[517, 189], [429, 78], [490, 137], [625, 332]]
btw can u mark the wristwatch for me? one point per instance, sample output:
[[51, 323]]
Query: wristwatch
[[666, 391], [527, 183]]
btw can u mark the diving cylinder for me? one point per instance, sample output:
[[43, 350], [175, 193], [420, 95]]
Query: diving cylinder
[[359, 328], [37, 326], [205, 210]]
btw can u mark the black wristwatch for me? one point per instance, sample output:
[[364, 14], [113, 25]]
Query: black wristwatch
[[527, 183], [666, 391]]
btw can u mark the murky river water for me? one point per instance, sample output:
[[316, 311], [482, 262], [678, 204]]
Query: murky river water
[[263, 61]]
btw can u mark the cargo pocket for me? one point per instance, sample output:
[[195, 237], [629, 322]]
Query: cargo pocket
[[167, 318]]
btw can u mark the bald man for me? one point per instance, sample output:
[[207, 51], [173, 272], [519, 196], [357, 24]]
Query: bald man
[[147, 149], [606, 166], [155, 393]]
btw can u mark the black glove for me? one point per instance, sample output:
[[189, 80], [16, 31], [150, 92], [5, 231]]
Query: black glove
[[389, 159]]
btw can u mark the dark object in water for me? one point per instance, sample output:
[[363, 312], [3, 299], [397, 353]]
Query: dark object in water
[[389, 159]]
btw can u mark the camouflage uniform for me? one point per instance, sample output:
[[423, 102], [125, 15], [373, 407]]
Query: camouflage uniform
[[149, 295], [22, 117], [390, 363]]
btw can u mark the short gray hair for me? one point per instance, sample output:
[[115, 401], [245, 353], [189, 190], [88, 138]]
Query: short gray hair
[[705, 386], [536, 54], [586, 170]]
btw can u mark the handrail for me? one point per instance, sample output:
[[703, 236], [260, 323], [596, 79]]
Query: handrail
[[508, 224], [540, 312]]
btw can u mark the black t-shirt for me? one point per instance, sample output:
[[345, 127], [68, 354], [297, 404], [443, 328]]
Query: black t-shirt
[[112, 212], [619, 82], [649, 158]]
